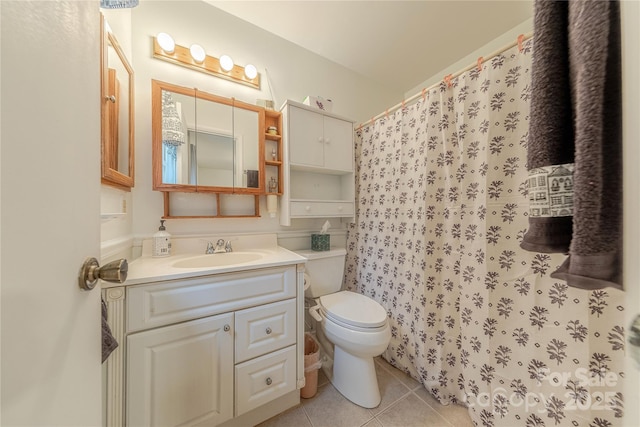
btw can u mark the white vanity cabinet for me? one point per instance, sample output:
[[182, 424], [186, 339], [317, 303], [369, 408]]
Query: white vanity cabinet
[[222, 349], [319, 164]]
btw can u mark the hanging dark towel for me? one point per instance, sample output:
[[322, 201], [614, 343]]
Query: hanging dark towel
[[109, 343], [575, 143]]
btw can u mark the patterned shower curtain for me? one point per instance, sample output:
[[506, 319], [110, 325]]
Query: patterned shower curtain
[[442, 206]]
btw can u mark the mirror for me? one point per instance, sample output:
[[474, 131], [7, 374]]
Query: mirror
[[205, 143], [116, 114]]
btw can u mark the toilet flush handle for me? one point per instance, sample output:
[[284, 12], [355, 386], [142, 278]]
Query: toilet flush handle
[[313, 311]]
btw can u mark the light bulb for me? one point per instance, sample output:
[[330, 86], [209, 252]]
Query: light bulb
[[250, 71], [166, 42], [226, 63], [197, 53]]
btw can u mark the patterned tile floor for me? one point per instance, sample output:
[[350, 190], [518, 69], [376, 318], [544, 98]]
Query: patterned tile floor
[[405, 403]]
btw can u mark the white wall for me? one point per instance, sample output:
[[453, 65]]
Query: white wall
[[293, 74], [498, 43]]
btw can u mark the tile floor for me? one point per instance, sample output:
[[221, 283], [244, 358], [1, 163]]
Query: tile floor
[[405, 403]]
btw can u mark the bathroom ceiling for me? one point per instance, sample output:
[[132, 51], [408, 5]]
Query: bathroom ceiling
[[397, 43]]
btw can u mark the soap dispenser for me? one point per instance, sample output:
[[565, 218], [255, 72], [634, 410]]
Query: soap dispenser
[[161, 241]]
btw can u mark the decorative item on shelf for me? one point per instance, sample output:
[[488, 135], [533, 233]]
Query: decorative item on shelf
[[319, 103], [273, 185], [272, 130], [195, 57], [274, 155]]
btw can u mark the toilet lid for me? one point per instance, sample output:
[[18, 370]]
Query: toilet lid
[[354, 309]]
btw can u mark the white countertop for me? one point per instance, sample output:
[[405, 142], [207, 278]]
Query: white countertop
[[149, 269]]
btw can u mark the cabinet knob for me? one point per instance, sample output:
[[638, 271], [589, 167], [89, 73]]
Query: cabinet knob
[[227, 328], [327, 141], [268, 331], [307, 208], [340, 208], [320, 139], [269, 381]]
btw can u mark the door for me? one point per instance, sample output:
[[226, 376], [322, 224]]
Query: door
[[50, 174], [306, 137], [181, 374], [630, 16]]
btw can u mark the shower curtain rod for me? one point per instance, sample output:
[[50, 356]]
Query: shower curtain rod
[[521, 38]]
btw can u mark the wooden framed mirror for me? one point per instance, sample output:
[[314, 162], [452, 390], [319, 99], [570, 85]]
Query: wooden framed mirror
[[117, 113], [205, 143]]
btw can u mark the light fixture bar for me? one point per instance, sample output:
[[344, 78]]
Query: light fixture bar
[[211, 65]]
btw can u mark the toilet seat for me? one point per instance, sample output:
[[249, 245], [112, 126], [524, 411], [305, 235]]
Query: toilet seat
[[353, 310]]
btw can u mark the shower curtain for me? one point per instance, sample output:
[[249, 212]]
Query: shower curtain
[[442, 203]]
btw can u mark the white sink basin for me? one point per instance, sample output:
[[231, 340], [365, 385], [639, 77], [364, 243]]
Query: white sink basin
[[218, 260]]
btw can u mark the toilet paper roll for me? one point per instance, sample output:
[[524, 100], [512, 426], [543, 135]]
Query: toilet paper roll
[[272, 205], [307, 281]]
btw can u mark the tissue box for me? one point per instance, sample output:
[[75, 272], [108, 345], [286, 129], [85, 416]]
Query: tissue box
[[318, 102], [320, 242]]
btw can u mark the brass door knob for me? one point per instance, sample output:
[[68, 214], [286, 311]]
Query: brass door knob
[[90, 272]]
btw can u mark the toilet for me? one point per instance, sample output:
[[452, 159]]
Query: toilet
[[354, 326]]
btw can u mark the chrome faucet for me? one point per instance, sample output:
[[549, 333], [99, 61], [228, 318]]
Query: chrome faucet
[[220, 247]]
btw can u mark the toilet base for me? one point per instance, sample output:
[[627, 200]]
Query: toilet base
[[355, 378]]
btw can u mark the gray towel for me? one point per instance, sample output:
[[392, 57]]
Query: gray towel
[[109, 343], [590, 44], [551, 141]]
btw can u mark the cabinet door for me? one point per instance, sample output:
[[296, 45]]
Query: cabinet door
[[306, 141], [338, 144], [181, 375]]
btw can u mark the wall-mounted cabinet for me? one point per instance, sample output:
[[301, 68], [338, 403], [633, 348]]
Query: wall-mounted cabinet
[[204, 143], [318, 172]]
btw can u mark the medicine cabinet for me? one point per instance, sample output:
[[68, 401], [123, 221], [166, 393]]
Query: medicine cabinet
[[117, 113], [205, 143]]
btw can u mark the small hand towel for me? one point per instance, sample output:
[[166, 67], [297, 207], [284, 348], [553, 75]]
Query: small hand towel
[[109, 342]]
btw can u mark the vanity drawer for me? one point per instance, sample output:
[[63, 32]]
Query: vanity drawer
[[165, 303], [308, 208], [260, 330], [261, 380]]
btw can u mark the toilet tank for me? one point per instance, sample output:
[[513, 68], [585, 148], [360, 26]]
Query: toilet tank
[[325, 270]]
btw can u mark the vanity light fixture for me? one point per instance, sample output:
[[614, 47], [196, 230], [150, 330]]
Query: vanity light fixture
[[250, 71], [118, 4], [166, 42], [226, 63], [197, 53], [195, 58]]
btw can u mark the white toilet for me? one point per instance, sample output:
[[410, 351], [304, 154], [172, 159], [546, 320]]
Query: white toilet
[[354, 325]]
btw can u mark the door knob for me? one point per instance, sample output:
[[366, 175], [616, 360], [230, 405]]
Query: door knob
[[115, 271]]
